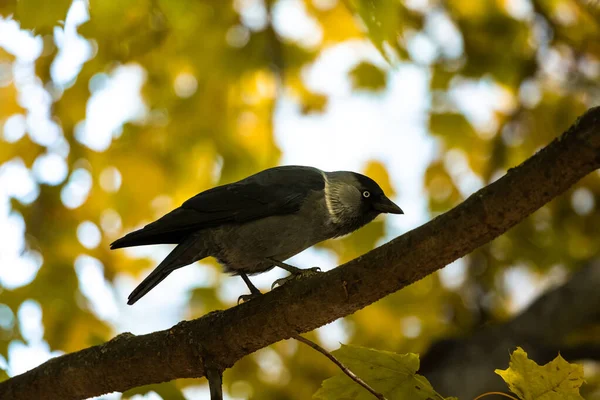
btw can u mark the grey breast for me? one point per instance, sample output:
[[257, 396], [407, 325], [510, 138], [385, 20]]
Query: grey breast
[[245, 247]]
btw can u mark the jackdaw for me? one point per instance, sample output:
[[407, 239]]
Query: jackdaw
[[255, 224]]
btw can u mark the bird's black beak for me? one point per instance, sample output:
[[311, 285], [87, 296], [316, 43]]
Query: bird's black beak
[[385, 205]]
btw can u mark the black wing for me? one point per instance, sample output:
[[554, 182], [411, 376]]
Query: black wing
[[274, 191]]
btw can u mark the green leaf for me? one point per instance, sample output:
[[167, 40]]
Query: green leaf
[[41, 15], [391, 374], [3, 375], [557, 380], [382, 20], [368, 76], [451, 125], [441, 77]]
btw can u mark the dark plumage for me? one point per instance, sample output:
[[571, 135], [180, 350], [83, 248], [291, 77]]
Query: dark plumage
[[262, 220]]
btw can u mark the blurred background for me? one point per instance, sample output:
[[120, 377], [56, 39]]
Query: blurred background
[[113, 113]]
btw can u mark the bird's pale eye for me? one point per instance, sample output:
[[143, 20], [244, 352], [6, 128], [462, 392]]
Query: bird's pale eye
[[366, 194]]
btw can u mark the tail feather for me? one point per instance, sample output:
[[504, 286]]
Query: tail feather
[[147, 285], [182, 255]]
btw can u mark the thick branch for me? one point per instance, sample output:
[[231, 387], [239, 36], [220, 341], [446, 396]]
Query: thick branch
[[129, 361]]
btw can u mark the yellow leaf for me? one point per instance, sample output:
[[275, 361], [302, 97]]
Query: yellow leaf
[[313, 103], [337, 23], [378, 172], [557, 380]]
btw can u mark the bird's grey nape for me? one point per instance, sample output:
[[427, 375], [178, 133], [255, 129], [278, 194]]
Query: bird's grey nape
[[342, 199]]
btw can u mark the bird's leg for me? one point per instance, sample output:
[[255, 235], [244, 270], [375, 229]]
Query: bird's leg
[[289, 268], [295, 272], [254, 292]]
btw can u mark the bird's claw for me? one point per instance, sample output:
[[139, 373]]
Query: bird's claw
[[304, 273], [248, 297]]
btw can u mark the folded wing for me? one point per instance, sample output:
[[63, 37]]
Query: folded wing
[[275, 191]]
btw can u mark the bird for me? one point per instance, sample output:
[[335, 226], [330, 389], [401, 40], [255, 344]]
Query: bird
[[255, 224]]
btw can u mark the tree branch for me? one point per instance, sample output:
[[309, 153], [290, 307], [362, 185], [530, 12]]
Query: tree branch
[[464, 367], [129, 361]]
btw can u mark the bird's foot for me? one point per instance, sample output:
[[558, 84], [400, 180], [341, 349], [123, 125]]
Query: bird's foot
[[248, 297], [254, 292], [301, 274]]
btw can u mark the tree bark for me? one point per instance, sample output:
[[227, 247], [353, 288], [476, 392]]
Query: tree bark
[[223, 337]]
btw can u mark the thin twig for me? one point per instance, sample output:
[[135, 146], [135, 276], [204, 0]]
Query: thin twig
[[215, 383], [213, 373], [481, 396], [344, 369]]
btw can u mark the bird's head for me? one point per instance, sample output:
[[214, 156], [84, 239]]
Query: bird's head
[[354, 200]]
